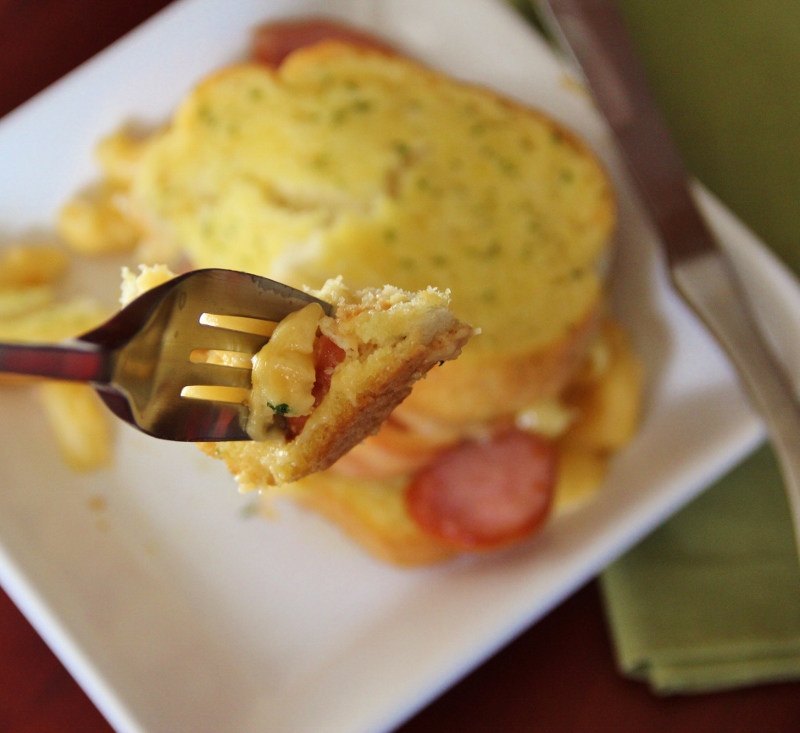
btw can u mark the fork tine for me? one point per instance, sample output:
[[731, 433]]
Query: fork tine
[[221, 339], [214, 375]]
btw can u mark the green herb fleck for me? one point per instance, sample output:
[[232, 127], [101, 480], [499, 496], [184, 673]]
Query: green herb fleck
[[492, 250], [338, 116], [321, 160], [256, 94], [506, 166], [362, 105], [207, 116], [281, 409], [402, 149]]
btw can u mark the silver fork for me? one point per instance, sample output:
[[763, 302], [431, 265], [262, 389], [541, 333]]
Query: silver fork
[[146, 361]]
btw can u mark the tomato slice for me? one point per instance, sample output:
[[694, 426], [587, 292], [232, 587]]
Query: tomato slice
[[484, 494], [327, 356], [273, 42]]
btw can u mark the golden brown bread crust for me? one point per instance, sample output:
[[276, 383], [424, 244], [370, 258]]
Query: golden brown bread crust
[[487, 389], [400, 542], [393, 384]]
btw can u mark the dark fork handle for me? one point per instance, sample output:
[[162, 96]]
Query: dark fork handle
[[80, 363]]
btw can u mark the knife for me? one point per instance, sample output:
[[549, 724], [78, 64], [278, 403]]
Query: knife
[[593, 33]]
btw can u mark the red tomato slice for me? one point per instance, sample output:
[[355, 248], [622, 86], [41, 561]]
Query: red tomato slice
[[480, 495], [273, 42], [327, 356]]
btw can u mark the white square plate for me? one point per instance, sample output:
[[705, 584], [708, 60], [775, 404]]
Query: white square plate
[[174, 611]]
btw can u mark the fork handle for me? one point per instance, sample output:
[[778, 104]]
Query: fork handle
[[83, 363]]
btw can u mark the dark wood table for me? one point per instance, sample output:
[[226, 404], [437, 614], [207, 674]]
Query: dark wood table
[[558, 676]]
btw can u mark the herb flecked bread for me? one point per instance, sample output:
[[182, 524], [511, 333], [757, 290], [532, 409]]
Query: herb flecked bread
[[348, 162]]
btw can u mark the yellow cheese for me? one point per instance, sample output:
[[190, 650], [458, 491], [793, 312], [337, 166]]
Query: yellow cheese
[[550, 418], [284, 372]]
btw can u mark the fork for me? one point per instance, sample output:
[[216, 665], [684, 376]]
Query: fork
[[148, 361]]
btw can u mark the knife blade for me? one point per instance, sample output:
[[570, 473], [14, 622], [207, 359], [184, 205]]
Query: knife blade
[[593, 34]]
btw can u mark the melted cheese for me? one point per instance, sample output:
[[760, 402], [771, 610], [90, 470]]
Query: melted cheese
[[284, 372], [550, 418]]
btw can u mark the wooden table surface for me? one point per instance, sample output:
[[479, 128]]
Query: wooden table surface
[[558, 676]]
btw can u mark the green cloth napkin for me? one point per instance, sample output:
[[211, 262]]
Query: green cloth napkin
[[712, 599]]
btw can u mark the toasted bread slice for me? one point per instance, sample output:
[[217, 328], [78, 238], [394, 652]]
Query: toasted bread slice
[[374, 514], [345, 161], [388, 339]]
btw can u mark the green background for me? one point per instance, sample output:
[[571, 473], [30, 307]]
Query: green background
[[727, 75]]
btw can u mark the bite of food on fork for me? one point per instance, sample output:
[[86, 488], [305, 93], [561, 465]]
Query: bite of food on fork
[[218, 355]]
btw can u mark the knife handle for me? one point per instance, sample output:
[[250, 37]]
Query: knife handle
[[710, 286]]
